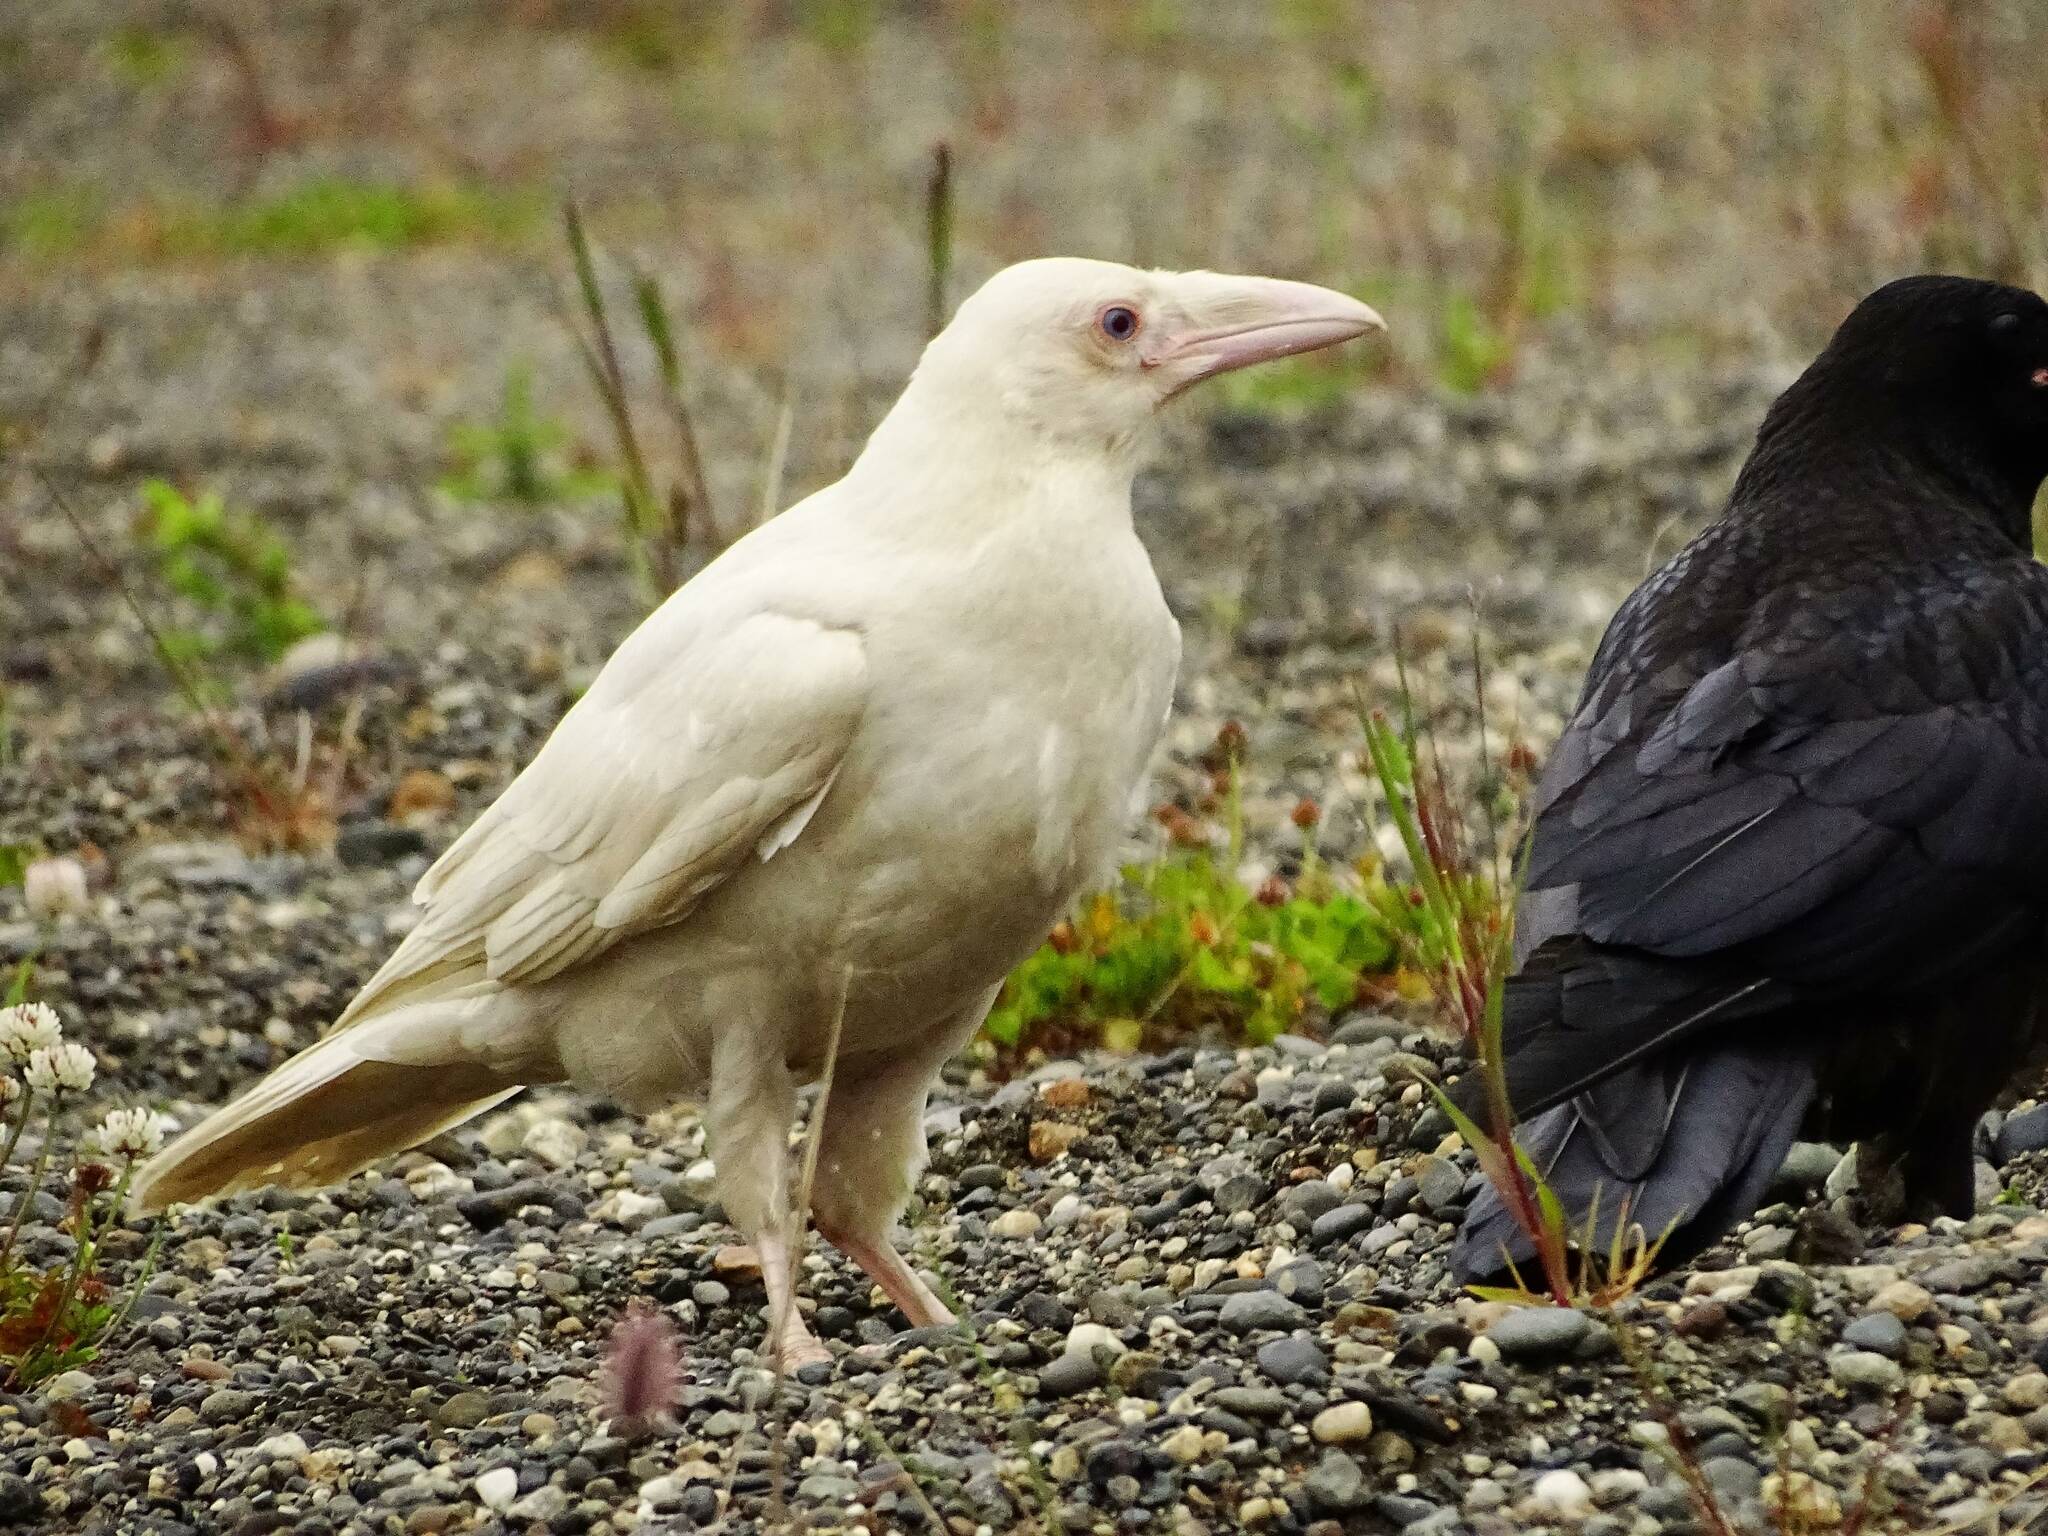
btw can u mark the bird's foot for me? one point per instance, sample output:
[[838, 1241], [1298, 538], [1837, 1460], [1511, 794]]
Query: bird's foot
[[790, 1344], [879, 1260], [793, 1351]]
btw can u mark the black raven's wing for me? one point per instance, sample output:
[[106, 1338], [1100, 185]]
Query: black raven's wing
[[1851, 796]]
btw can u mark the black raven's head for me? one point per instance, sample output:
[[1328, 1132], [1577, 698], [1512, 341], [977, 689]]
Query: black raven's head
[[1952, 369]]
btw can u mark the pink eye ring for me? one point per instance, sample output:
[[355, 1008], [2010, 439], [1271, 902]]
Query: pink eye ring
[[1119, 322]]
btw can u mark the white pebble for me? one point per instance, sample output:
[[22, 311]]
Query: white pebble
[[1086, 1338], [1021, 1222], [497, 1488], [1342, 1424], [1562, 1495], [555, 1142]]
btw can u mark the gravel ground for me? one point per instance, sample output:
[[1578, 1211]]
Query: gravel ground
[[1223, 1305]]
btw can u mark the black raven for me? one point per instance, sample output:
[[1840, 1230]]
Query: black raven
[[1790, 859]]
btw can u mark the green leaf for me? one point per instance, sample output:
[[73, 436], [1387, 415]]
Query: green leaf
[[17, 989]]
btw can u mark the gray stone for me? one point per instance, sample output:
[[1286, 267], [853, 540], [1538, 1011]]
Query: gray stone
[[1879, 1332], [226, 1405], [1443, 1184], [1254, 1311], [2022, 1133], [1249, 1402], [1532, 1334], [1365, 1028], [1068, 1374], [1958, 1276], [1805, 1169], [1294, 1361], [1239, 1192], [1336, 1485], [465, 1410], [1763, 1402], [1308, 1202], [1344, 1221], [1731, 1478], [680, 1224], [1299, 1280], [368, 844], [1861, 1370], [1404, 1067]]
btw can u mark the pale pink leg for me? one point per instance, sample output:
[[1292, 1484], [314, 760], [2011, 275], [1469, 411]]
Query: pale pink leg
[[877, 1256], [789, 1341]]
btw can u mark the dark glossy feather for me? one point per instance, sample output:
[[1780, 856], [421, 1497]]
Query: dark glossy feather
[[1803, 801]]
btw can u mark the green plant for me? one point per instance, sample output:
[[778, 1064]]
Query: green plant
[[1184, 944], [1472, 349], [522, 456], [1462, 944], [312, 218], [839, 26], [54, 1318], [233, 569], [142, 58], [938, 236], [1308, 383], [325, 213], [50, 222], [659, 526]]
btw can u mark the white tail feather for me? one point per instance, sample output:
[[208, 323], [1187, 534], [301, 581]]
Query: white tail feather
[[331, 1110]]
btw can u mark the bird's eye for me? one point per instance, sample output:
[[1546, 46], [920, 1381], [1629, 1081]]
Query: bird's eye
[[1119, 322], [2004, 323]]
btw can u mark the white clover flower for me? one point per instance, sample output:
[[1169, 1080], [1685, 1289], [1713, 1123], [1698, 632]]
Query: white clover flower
[[54, 887], [27, 1028], [65, 1066], [130, 1133]]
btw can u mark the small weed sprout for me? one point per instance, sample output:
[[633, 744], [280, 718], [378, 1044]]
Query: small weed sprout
[[522, 456], [1462, 943], [54, 1318], [231, 567], [938, 236], [659, 525]]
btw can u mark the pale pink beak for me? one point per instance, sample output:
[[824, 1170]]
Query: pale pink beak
[[1233, 322]]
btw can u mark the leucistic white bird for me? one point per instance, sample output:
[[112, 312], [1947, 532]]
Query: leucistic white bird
[[837, 785]]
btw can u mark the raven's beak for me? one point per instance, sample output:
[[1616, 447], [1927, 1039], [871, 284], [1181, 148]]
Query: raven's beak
[[1233, 322]]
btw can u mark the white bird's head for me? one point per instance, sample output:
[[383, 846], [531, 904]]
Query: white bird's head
[[1084, 353]]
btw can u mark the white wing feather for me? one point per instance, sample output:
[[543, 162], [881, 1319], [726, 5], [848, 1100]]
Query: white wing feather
[[699, 747]]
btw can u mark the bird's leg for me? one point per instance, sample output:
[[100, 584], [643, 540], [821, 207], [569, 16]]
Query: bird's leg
[[747, 1115], [869, 1156], [879, 1260], [790, 1343]]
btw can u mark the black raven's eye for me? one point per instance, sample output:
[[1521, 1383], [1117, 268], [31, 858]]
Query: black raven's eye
[[1119, 322], [2005, 324]]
